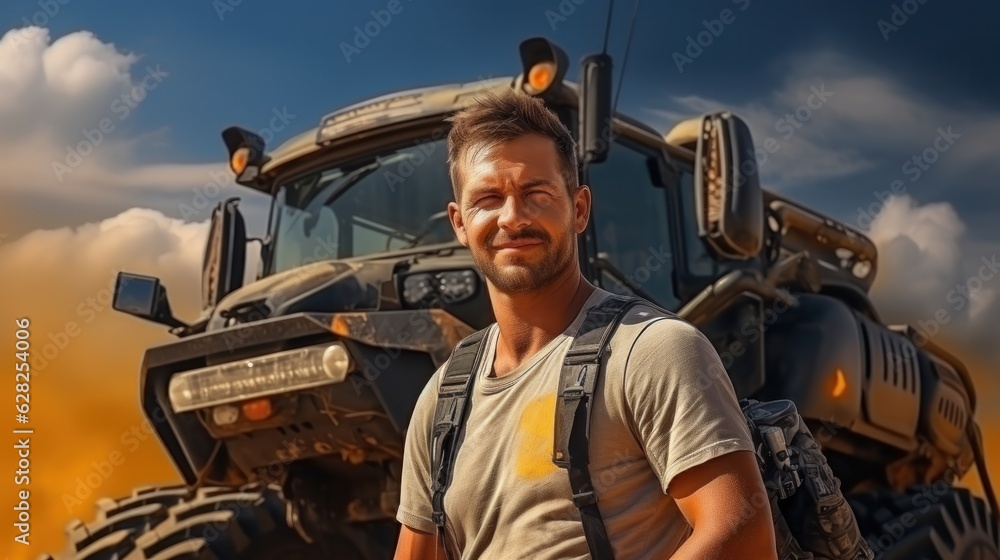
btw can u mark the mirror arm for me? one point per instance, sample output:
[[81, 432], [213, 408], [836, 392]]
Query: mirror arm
[[718, 295], [165, 316], [187, 330]]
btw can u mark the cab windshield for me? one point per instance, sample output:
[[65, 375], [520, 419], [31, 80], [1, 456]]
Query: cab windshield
[[387, 201]]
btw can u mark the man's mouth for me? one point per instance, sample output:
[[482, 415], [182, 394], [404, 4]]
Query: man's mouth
[[519, 244]]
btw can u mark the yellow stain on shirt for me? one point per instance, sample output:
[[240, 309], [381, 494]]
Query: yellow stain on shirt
[[533, 457]]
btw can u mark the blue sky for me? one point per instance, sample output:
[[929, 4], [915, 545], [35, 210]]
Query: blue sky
[[895, 85], [235, 65]]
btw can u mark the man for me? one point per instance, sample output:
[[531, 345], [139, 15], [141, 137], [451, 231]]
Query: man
[[670, 455]]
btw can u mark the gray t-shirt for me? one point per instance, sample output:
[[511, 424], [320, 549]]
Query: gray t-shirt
[[663, 404]]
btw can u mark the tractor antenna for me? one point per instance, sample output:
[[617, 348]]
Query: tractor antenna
[[628, 43], [607, 25]]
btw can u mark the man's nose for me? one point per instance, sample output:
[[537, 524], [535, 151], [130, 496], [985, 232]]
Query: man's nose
[[513, 214]]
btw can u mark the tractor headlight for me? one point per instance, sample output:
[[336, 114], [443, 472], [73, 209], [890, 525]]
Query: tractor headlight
[[280, 372], [451, 286]]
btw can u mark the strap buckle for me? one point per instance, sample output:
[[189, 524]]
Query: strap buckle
[[438, 518], [584, 499]]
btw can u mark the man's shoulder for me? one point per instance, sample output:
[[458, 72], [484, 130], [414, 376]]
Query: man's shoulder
[[650, 336], [652, 323]]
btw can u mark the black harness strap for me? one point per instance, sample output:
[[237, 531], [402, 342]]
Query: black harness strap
[[448, 418], [577, 382]]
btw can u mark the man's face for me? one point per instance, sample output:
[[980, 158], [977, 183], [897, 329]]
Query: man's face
[[514, 213]]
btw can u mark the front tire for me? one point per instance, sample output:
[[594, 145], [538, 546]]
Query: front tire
[[173, 523], [928, 522]]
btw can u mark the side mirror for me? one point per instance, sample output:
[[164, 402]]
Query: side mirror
[[144, 297], [730, 203], [596, 132], [225, 253]]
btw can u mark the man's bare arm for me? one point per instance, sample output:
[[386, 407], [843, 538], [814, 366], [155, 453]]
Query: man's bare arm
[[725, 502], [417, 545]]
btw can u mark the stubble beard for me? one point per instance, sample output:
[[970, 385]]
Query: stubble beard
[[526, 277]]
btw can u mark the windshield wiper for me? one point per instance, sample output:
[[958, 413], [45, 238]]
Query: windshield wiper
[[426, 231], [347, 182]]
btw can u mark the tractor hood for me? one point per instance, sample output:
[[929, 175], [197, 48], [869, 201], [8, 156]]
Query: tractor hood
[[325, 287], [359, 284]]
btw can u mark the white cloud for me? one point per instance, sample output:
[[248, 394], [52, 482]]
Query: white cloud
[[867, 114], [67, 264], [67, 138], [919, 249], [932, 277]]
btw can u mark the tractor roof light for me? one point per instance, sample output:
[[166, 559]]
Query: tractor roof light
[[246, 151], [238, 162], [543, 65]]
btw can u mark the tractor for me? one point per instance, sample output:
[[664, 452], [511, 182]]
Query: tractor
[[284, 405]]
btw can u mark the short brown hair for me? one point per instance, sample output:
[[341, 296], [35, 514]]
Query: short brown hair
[[498, 118]]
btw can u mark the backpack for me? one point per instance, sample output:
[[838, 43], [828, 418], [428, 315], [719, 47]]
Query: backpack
[[823, 524]]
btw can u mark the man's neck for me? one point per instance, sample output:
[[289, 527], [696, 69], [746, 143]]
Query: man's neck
[[529, 321]]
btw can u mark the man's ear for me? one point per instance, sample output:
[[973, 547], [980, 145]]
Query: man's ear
[[581, 205], [457, 223]]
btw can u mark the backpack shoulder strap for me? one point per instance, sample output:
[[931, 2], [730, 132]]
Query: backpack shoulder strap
[[577, 382], [449, 414]]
